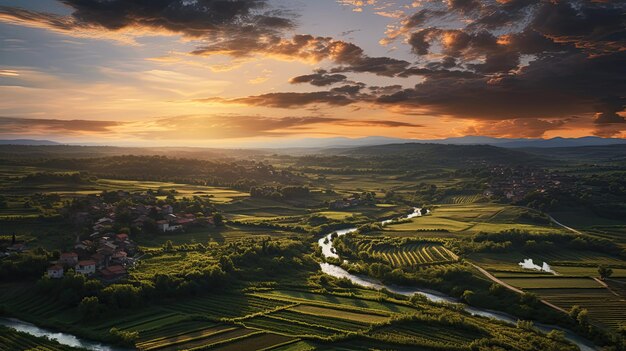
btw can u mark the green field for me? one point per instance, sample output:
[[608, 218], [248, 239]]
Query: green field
[[604, 307], [469, 218], [554, 282], [574, 262]]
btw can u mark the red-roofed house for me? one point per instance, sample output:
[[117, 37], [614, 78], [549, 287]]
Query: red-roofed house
[[121, 237], [55, 272], [87, 267], [69, 259], [113, 272], [99, 259]]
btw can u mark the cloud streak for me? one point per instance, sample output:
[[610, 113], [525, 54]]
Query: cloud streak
[[190, 127]]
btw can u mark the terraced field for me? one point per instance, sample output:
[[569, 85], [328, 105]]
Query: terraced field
[[326, 300], [24, 298], [220, 306], [281, 325], [261, 341], [425, 334], [413, 254], [553, 282], [604, 307], [463, 199], [334, 323], [186, 339], [348, 314]]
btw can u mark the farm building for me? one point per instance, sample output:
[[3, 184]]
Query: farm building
[[87, 267], [55, 272], [113, 273]]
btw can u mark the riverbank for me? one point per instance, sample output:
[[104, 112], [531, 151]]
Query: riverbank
[[328, 251], [61, 337]]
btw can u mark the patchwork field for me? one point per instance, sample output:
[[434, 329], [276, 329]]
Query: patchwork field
[[573, 262], [470, 218]]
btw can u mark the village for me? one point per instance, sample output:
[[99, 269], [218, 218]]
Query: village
[[513, 184], [107, 222]]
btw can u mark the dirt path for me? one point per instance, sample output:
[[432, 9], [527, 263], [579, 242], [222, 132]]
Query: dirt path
[[563, 225], [606, 286], [514, 289]]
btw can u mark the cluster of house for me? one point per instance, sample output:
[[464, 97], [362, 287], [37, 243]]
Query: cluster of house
[[13, 249], [179, 222], [514, 184], [170, 223], [346, 202], [106, 257]]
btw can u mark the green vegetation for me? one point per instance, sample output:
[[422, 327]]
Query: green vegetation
[[241, 268], [10, 339]]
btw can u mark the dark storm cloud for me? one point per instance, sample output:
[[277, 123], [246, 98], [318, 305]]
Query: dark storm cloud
[[11, 125], [607, 110], [319, 78], [287, 100], [197, 18], [552, 86], [349, 57]]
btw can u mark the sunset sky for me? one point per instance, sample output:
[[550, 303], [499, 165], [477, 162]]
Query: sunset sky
[[246, 72]]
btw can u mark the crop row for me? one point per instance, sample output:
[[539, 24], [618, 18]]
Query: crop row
[[289, 326], [325, 321], [185, 338], [416, 254], [225, 306]]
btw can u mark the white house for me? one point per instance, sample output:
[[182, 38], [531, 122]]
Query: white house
[[55, 271], [86, 267], [163, 225]]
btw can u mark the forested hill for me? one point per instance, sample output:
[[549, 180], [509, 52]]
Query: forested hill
[[19, 152], [583, 154], [442, 155]]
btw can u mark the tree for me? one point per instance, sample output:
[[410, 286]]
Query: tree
[[604, 272], [89, 307], [218, 219], [168, 246], [126, 338]]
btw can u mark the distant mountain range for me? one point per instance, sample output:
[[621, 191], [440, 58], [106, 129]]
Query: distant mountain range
[[339, 142], [28, 142], [466, 140]]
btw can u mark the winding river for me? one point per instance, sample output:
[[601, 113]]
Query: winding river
[[61, 338], [328, 250]]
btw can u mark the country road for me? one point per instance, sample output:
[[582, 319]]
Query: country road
[[555, 221], [563, 225]]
